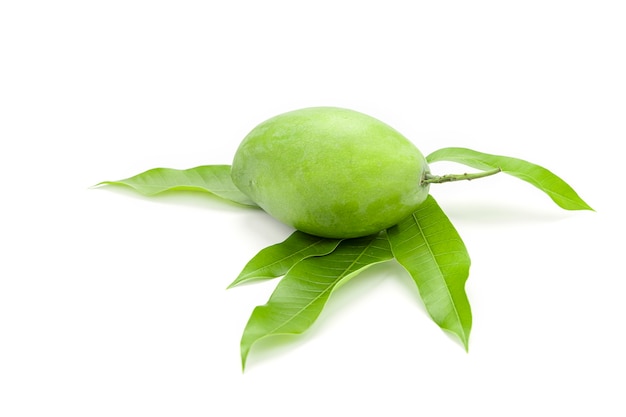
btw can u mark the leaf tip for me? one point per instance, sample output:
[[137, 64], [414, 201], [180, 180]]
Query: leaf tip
[[232, 284], [98, 185], [462, 337], [241, 278], [578, 206], [458, 335], [244, 357], [586, 206]]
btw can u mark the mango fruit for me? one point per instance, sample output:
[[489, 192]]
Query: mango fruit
[[331, 172]]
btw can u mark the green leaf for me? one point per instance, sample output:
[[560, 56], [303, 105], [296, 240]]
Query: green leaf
[[213, 179], [274, 261], [302, 293], [558, 190], [430, 249]]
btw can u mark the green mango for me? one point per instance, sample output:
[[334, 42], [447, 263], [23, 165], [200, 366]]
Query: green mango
[[331, 172]]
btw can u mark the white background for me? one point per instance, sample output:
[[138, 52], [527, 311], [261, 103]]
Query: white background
[[112, 304]]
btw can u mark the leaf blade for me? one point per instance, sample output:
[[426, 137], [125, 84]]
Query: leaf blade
[[302, 293], [556, 188], [212, 179], [274, 261], [428, 246]]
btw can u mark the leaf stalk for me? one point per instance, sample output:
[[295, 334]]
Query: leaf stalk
[[439, 179]]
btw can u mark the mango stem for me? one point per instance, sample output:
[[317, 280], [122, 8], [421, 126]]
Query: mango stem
[[437, 179]]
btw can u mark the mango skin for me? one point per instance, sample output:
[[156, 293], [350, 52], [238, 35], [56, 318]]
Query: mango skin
[[331, 172]]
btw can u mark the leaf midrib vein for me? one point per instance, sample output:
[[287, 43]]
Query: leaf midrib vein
[[284, 258], [449, 296], [327, 289]]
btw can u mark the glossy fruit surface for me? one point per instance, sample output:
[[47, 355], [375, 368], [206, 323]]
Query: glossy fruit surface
[[331, 172]]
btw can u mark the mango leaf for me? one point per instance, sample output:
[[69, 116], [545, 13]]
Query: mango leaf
[[302, 293], [274, 261], [213, 179], [557, 189], [430, 249]]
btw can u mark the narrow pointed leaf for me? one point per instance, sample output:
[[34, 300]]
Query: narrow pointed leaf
[[274, 261], [213, 179], [302, 293], [557, 189], [430, 249]]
